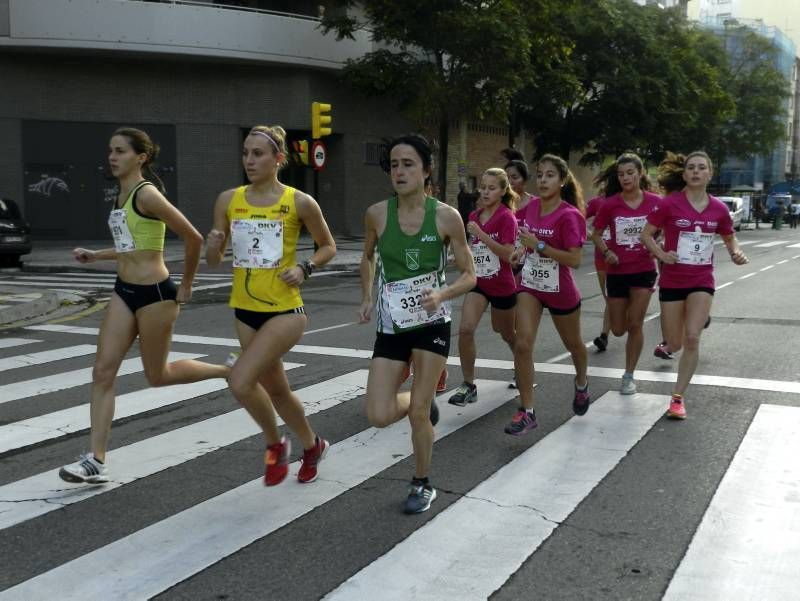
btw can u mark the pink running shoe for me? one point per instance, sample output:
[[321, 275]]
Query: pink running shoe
[[677, 410], [662, 351]]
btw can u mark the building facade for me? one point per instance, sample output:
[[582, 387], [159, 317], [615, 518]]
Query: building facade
[[196, 76]]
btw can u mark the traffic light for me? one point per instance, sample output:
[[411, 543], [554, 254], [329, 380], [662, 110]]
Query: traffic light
[[320, 120], [300, 148]]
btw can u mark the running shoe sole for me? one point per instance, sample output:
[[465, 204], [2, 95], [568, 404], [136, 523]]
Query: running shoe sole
[[67, 476]]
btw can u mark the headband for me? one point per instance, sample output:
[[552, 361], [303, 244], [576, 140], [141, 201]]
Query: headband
[[267, 136]]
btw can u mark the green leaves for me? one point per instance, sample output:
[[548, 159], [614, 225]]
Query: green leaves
[[598, 76]]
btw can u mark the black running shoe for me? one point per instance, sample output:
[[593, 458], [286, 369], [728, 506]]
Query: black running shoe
[[601, 342]]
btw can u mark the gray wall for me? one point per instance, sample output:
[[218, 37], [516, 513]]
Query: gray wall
[[208, 103]]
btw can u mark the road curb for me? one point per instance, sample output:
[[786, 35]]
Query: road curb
[[48, 302]]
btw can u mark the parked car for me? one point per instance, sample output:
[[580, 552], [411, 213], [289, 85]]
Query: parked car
[[15, 233], [736, 209]]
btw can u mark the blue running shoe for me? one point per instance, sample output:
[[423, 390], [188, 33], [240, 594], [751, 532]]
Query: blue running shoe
[[420, 497]]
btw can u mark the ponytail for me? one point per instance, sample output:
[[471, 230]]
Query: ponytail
[[670, 173]]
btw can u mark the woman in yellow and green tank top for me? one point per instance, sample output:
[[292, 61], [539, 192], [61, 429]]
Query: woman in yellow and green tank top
[[262, 221], [145, 299]]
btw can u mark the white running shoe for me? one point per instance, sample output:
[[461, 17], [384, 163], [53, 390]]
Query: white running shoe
[[87, 469], [232, 359], [628, 385]]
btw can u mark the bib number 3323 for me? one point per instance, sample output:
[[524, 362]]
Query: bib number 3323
[[405, 301]]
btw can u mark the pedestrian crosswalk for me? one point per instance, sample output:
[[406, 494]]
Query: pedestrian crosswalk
[[98, 283], [478, 539]]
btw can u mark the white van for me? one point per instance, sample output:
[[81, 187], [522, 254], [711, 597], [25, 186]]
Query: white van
[[736, 209]]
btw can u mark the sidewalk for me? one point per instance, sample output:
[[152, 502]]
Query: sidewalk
[[18, 304]]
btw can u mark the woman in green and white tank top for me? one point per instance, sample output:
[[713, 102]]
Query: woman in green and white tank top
[[411, 232]]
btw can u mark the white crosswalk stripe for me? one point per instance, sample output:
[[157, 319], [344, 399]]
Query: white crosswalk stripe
[[87, 283], [469, 550], [70, 379]]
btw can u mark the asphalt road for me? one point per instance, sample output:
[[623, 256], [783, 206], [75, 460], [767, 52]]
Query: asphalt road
[[614, 505]]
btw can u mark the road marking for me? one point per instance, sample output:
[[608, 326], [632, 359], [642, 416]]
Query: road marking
[[12, 342], [46, 356], [318, 274], [200, 536], [341, 325], [782, 262], [471, 548], [752, 520], [747, 275], [103, 283], [794, 246], [725, 285], [212, 286], [52, 286], [766, 268], [769, 244], [71, 379], [747, 242], [44, 492], [60, 423], [552, 368]]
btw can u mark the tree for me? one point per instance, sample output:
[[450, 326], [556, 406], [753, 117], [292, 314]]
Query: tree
[[759, 91], [442, 59], [636, 78]]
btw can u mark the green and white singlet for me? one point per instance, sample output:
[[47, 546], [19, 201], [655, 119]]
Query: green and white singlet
[[407, 264]]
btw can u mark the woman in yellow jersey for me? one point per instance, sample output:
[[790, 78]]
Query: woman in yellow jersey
[[145, 299], [263, 221]]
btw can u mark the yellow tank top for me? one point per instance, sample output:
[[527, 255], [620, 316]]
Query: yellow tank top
[[264, 241], [133, 231]]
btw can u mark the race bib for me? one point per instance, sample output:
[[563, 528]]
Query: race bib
[[257, 243], [486, 262], [628, 230], [540, 273], [123, 239], [695, 248], [405, 301]]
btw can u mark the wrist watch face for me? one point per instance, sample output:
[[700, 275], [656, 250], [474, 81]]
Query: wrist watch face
[[540, 245]]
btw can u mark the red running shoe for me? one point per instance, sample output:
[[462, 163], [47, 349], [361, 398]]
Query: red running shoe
[[311, 458], [277, 462], [442, 385]]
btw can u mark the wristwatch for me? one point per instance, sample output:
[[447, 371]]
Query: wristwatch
[[308, 268], [540, 246]]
